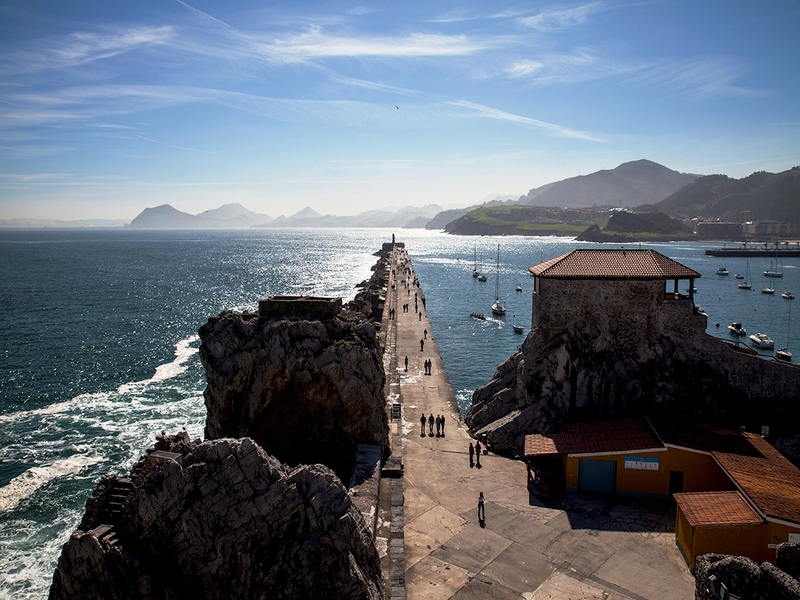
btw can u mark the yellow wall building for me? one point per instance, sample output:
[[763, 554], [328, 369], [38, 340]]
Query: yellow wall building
[[735, 493]]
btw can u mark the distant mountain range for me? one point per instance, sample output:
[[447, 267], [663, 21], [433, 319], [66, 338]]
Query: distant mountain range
[[236, 215], [766, 196], [630, 184]]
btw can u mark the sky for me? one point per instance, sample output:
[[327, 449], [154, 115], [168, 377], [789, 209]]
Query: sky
[[107, 108]]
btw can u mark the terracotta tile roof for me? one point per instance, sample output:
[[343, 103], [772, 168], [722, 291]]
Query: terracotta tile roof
[[717, 509], [701, 437], [613, 264], [770, 481], [622, 435]]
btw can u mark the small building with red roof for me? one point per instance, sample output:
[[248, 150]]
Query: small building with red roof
[[636, 290]]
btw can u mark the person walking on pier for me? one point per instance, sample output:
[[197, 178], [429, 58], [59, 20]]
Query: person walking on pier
[[438, 425], [422, 345], [406, 364], [425, 334], [442, 425], [481, 508], [422, 421], [471, 455], [430, 424]]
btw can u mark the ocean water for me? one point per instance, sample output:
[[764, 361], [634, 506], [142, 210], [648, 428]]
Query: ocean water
[[98, 341]]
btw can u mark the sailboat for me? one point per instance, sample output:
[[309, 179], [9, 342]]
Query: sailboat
[[778, 270], [497, 307], [767, 289], [475, 271], [783, 353], [480, 276], [745, 285]]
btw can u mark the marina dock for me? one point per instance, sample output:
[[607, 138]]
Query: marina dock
[[584, 547]]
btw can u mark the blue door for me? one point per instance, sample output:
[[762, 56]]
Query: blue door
[[597, 476]]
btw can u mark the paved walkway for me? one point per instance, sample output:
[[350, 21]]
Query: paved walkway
[[586, 547]]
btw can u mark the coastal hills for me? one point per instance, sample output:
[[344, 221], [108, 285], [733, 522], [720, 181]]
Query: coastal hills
[[768, 196], [628, 185]]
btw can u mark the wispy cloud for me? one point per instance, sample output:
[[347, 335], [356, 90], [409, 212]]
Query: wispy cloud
[[500, 115], [316, 43], [361, 10], [79, 48], [173, 146], [702, 78], [581, 65], [557, 20]]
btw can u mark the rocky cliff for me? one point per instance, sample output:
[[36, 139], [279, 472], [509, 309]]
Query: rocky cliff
[[218, 519], [585, 373], [307, 391]]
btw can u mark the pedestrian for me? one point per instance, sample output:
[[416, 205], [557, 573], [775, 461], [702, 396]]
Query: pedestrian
[[423, 302], [420, 315], [478, 448], [422, 420], [422, 345], [430, 424], [471, 455], [406, 364], [430, 364], [425, 334], [442, 425], [481, 508], [438, 425]]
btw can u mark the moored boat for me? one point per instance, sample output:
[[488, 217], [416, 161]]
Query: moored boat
[[498, 308], [723, 271], [518, 328], [737, 329], [762, 340], [788, 295]]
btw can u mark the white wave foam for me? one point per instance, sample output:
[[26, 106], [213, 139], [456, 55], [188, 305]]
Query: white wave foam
[[183, 352], [22, 486]]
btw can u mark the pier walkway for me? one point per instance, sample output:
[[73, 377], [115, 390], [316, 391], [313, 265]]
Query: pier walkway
[[586, 547]]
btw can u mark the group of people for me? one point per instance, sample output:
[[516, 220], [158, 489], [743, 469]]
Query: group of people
[[475, 451], [428, 364], [439, 421]]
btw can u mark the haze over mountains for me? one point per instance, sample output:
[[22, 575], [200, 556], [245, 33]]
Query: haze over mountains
[[630, 184], [642, 185]]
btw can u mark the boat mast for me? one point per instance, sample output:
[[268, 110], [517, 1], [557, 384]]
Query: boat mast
[[497, 278]]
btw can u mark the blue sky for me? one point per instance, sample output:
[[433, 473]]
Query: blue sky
[[110, 107]]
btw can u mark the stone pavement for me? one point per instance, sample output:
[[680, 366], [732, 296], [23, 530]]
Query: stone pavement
[[584, 547]]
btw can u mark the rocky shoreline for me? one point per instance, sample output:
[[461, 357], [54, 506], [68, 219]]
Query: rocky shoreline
[[295, 399]]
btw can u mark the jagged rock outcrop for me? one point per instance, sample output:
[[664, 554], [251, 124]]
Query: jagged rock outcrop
[[307, 391], [743, 578], [218, 519], [586, 373]]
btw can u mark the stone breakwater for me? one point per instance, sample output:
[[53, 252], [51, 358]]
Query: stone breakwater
[[306, 391], [218, 519], [584, 373]]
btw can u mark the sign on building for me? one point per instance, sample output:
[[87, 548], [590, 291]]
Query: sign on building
[[641, 463]]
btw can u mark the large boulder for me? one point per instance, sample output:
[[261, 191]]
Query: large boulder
[[307, 391], [585, 373], [218, 519]]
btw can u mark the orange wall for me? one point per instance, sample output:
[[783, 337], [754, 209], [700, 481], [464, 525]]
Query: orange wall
[[700, 472], [752, 541], [741, 540]]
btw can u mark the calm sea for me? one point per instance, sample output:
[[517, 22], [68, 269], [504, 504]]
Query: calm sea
[[98, 342]]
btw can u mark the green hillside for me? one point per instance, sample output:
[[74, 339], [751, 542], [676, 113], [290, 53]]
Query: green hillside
[[768, 196], [511, 220]]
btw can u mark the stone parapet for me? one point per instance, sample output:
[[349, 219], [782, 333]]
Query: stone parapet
[[283, 307]]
